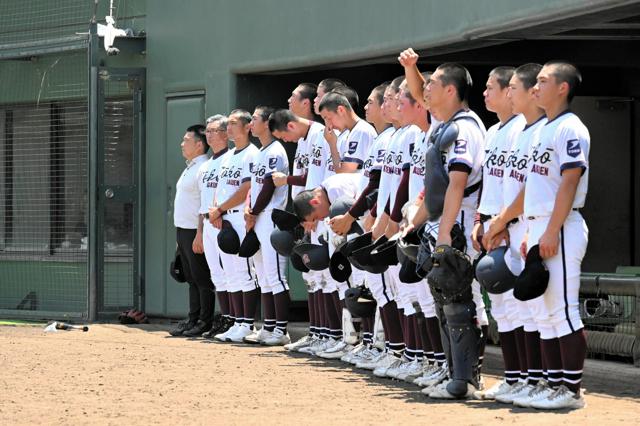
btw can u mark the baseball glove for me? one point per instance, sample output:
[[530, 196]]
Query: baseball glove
[[450, 276], [133, 316]]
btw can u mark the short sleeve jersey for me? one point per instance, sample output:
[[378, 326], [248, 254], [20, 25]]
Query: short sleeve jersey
[[341, 185], [340, 143], [208, 179], [270, 159], [416, 176], [388, 170], [515, 170], [404, 146], [358, 144], [300, 163], [375, 156], [498, 142], [467, 150], [318, 154], [563, 144], [234, 172]]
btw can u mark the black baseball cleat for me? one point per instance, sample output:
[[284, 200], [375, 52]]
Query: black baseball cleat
[[197, 330], [216, 326], [182, 326]]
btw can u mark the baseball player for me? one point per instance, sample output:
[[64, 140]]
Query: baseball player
[[555, 190], [454, 200], [435, 358], [499, 139], [341, 224], [413, 119], [522, 95], [337, 110], [216, 133], [286, 126], [234, 183], [384, 289], [270, 267]]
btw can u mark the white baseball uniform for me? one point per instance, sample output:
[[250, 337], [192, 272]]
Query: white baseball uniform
[[498, 141], [467, 150], [515, 173], [340, 143], [336, 186], [208, 182], [300, 163], [234, 171], [563, 144], [416, 177], [318, 154], [403, 145], [269, 265]]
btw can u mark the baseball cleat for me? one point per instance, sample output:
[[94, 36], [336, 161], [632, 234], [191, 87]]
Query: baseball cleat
[[541, 391], [499, 388], [276, 338], [300, 343], [222, 337], [440, 391], [518, 390], [562, 398], [240, 333], [372, 363], [385, 364], [181, 327], [336, 351], [412, 371], [257, 336]]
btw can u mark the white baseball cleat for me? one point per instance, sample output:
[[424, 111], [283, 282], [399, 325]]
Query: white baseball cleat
[[337, 351], [562, 398], [241, 332], [257, 336], [540, 391], [518, 390], [311, 348], [277, 338], [222, 337], [353, 352], [365, 355], [412, 371], [385, 364], [372, 363], [498, 388], [440, 391], [436, 377], [300, 343], [427, 371]]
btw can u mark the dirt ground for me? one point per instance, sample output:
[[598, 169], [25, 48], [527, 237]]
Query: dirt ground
[[116, 373]]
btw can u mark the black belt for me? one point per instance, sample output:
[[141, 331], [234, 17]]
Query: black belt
[[486, 217], [206, 215], [533, 217]]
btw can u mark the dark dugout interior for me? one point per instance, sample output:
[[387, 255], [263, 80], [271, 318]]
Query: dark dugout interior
[[606, 102]]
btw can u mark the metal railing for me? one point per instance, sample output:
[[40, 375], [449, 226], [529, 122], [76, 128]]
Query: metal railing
[[610, 311]]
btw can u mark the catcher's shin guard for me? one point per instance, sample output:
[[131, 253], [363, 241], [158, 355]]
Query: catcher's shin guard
[[465, 337], [444, 337]]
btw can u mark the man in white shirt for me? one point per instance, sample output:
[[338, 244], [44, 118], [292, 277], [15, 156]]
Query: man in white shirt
[[189, 226]]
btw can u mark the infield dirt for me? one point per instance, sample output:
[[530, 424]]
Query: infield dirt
[[114, 374]]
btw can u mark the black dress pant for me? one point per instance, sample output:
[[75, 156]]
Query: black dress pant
[[196, 270]]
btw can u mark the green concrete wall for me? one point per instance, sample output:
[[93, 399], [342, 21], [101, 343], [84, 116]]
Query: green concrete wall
[[204, 46]]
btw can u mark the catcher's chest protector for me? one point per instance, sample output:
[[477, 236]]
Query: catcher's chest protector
[[436, 176]]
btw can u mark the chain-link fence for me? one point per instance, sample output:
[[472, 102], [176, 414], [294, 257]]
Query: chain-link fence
[[44, 161]]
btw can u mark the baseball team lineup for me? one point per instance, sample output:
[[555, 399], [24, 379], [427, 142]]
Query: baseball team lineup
[[399, 222]]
